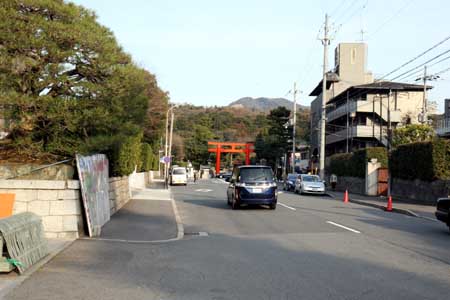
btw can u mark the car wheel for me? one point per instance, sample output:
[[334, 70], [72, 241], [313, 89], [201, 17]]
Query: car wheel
[[273, 206], [228, 200]]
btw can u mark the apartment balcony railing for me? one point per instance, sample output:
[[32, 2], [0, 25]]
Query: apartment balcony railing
[[358, 131], [443, 127], [364, 106]]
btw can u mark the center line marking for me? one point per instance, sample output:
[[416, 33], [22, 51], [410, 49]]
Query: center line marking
[[344, 227], [286, 206]]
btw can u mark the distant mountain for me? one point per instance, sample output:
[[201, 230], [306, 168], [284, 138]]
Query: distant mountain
[[264, 104]]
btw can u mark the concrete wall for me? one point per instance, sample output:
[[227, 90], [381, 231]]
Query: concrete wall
[[56, 172], [420, 191], [119, 192], [354, 185], [57, 202]]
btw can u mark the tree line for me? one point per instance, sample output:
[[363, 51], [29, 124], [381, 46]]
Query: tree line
[[196, 125]]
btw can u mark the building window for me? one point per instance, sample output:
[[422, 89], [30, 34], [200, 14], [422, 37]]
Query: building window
[[353, 56]]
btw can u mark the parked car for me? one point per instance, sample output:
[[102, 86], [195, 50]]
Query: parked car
[[309, 184], [227, 176], [178, 175], [443, 210], [252, 185], [289, 182]]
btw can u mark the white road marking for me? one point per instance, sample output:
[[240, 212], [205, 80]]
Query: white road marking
[[280, 192], [344, 227], [284, 205]]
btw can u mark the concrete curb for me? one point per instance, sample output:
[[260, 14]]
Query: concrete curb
[[180, 227], [382, 207], [21, 278]]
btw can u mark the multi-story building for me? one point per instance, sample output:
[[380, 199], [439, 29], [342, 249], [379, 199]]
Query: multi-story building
[[350, 68], [359, 111], [361, 115], [443, 124]]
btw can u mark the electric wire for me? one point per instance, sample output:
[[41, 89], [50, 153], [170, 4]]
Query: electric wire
[[415, 58]]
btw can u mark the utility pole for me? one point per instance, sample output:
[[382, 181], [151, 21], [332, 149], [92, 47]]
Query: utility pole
[[166, 148], [424, 112], [325, 42], [293, 128], [170, 139]]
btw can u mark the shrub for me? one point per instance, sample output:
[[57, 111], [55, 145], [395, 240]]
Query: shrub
[[354, 164], [427, 161], [127, 156], [147, 157]]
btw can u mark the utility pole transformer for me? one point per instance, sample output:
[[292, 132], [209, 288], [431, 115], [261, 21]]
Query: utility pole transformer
[[325, 42]]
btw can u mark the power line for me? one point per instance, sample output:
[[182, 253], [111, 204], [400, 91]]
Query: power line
[[341, 4], [420, 71], [415, 58], [350, 17], [421, 65], [403, 7]]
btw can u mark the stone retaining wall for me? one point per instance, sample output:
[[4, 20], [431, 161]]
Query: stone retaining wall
[[418, 191], [119, 193], [354, 185], [56, 201], [59, 203]]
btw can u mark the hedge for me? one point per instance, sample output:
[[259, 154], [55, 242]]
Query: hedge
[[427, 161], [126, 156], [147, 157], [354, 164]]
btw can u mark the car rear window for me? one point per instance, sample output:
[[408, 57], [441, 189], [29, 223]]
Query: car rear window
[[256, 174], [311, 178], [179, 171]]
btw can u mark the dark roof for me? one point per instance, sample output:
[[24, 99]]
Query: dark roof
[[380, 87], [331, 77]]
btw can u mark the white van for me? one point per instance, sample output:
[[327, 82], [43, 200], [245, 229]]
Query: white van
[[178, 176]]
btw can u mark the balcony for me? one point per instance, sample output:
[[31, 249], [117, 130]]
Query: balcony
[[364, 106], [443, 127], [359, 131]]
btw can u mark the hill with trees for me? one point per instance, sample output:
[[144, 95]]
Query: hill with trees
[[263, 104], [195, 125]]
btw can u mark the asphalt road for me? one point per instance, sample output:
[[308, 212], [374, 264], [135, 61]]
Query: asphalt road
[[310, 247]]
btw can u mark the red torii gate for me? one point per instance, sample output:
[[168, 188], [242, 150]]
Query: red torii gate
[[230, 147]]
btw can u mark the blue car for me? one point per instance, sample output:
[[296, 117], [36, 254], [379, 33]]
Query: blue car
[[252, 185]]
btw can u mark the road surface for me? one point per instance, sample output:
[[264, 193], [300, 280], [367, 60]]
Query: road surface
[[310, 247]]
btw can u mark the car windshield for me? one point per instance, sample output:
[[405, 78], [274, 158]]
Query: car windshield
[[311, 178], [179, 171], [292, 177], [256, 174]]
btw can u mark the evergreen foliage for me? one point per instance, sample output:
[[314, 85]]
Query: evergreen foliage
[[67, 87]]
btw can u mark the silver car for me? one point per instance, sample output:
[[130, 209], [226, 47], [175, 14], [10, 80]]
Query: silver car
[[309, 184]]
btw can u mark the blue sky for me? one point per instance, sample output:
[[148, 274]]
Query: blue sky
[[209, 52]]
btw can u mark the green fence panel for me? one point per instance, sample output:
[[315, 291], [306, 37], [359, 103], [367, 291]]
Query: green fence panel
[[24, 238]]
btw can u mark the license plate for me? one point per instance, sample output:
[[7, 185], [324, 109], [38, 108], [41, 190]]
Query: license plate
[[257, 190]]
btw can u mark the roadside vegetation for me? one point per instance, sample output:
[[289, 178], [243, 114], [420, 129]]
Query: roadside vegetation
[[66, 87]]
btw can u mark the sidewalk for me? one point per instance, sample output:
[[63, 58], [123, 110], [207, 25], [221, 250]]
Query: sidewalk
[[416, 210], [8, 281], [150, 216]]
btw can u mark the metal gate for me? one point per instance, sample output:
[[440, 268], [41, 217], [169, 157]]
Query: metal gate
[[383, 177]]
